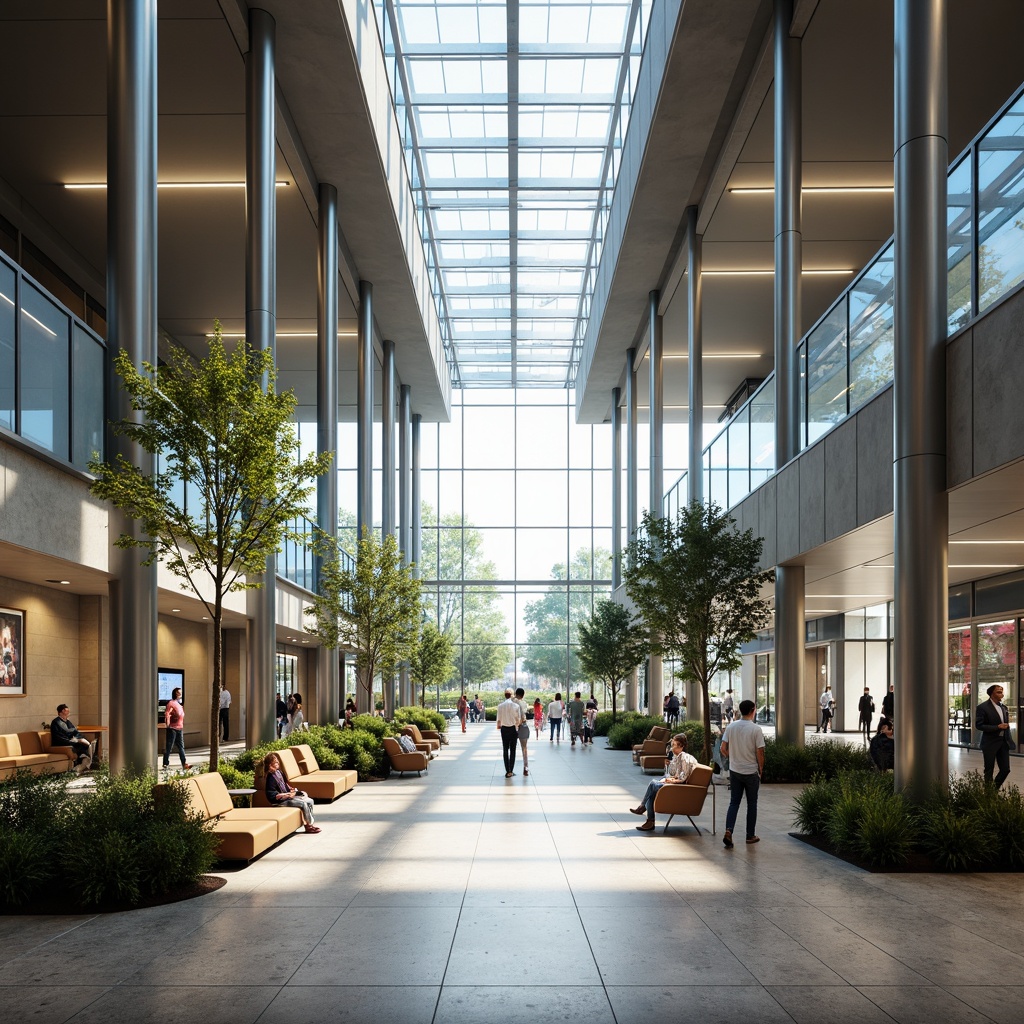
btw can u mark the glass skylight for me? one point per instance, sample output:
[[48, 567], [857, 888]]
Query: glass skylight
[[512, 117]]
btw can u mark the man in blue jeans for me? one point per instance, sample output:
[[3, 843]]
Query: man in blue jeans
[[743, 744]]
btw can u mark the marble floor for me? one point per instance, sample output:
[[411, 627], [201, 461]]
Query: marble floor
[[463, 896]]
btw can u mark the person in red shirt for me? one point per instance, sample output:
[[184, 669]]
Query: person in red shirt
[[463, 708], [174, 720]]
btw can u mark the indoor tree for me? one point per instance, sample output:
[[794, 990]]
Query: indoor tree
[[696, 583], [375, 607], [432, 662], [611, 644], [219, 428]]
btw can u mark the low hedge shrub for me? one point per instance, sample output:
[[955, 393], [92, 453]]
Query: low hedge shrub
[[969, 826], [424, 718], [115, 845], [360, 748], [786, 762], [631, 728]]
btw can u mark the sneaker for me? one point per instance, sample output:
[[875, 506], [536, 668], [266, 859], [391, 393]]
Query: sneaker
[[186, 767], [727, 839]]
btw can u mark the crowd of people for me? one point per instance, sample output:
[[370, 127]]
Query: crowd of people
[[290, 715]]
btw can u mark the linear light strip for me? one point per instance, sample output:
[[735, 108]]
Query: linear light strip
[[83, 185], [757, 190], [283, 334], [834, 271]]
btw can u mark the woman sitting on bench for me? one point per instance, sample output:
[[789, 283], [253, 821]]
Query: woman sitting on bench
[[279, 793]]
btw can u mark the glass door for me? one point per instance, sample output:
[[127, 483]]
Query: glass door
[[959, 693], [764, 688], [997, 663]]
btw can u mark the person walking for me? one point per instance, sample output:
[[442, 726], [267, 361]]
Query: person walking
[[174, 721], [575, 709], [866, 710], [993, 720], [463, 710], [743, 744], [556, 709], [728, 706], [282, 714], [524, 728], [538, 718], [225, 713], [508, 718], [823, 702]]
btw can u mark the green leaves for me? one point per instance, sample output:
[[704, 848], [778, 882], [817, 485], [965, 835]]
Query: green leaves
[[432, 662], [611, 645]]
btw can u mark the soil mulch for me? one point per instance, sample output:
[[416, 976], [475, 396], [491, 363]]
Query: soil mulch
[[203, 885], [917, 862]]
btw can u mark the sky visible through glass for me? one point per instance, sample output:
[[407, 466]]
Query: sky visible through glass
[[512, 118]]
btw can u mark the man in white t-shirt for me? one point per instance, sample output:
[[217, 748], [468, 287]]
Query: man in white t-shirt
[[509, 718], [743, 744]]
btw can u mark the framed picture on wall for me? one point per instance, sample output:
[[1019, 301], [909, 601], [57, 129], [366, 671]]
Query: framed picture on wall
[[12, 652]]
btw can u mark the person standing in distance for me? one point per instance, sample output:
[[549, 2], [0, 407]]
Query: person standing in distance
[[174, 721], [887, 703], [743, 744], [993, 720], [225, 712], [866, 708], [823, 703], [509, 717]]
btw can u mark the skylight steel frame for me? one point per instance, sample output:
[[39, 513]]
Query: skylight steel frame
[[481, 318]]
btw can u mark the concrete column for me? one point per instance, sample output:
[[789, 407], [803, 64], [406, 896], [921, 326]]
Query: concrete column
[[327, 421], [417, 537], [261, 331], [364, 412], [632, 516], [921, 509], [132, 326], [695, 359], [789, 580], [616, 490], [405, 484]]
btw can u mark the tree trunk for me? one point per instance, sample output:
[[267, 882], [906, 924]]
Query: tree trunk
[[218, 651], [364, 703], [704, 686]]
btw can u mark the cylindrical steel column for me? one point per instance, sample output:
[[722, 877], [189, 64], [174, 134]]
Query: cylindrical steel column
[[416, 525], [921, 508], [632, 510], [260, 332], [616, 489], [387, 461], [132, 326], [790, 631], [695, 357], [364, 412], [327, 421], [405, 471]]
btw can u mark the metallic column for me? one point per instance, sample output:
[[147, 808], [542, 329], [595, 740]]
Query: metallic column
[[632, 431], [260, 332], [655, 351], [364, 412], [921, 508], [616, 489], [327, 421], [132, 325], [387, 462], [416, 526], [790, 631], [405, 487], [695, 357]]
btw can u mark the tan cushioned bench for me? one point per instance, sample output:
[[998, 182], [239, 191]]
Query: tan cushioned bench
[[243, 832], [33, 751], [320, 785], [310, 768]]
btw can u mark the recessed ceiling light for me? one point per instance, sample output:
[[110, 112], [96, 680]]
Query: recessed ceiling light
[[175, 609], [63, 583], [206, 618]]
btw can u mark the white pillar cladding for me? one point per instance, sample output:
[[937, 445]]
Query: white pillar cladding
[[132, 326], [261, 333], [790, 631], [695, 357], [364, 413], [920, 503], [632, 699], [405, 500], [416, 525], [616, 489], [387, 463], [656, 351], [328, 697]]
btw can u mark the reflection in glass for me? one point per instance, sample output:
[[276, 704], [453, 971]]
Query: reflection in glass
[[871, 330], [959, 690], [1000, 202], [739, 456], [826, 373], [959, 246], [43, 381], [762, 433], [997, 664]]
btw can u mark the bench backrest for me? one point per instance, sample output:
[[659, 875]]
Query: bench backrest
[[392, 746], [413, 731], [660, 733], [700, 776], [289, 764], [214, 793], [304, 755], [10, 745], [194, 801]]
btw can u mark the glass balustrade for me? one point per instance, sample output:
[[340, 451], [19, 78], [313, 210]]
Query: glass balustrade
[[847, 356]]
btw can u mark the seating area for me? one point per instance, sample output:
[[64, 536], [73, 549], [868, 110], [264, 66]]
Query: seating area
[[403, 761], [686, 799], [244, 833], [425, 740], [303, 772], [33, 750]]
